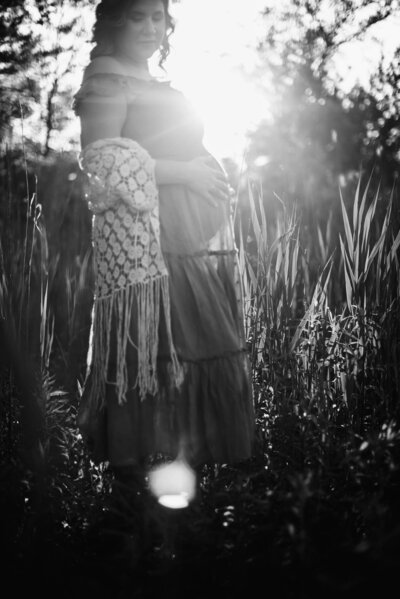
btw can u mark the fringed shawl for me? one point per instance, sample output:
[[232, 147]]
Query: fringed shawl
[[129, 267]]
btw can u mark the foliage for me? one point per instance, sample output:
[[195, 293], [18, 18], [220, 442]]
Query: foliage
[[38, 55], [315, 511], [322, 487], [326, 352], [316, 134]]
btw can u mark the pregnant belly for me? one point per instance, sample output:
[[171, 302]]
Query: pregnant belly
[[187, 220]]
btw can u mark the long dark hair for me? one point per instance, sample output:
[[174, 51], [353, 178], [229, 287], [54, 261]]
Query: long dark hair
[[111, 17]]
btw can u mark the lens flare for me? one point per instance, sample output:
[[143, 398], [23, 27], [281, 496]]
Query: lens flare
[[173, 484]]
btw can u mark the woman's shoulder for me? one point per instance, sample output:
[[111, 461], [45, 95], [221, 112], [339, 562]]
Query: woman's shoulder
[[103, 65], [102, 78]]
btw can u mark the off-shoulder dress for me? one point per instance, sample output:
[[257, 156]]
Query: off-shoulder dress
[[211, 415]]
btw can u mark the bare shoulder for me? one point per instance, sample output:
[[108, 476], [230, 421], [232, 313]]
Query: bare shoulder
[[103, 64]]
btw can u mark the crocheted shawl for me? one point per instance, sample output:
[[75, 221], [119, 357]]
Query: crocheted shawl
[[121, 192]]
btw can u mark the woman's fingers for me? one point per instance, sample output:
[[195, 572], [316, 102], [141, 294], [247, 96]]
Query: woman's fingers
[[223, 190], [210, 180], [217, 170], [221, 185], [218, 195], [210, 200], [221, 176]]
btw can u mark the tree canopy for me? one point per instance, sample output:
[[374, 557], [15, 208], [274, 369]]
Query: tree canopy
[[317, 135]]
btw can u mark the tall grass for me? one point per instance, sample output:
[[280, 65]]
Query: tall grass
[[41, 299], [371, 269], [331, 358], [326, 378], [270, 280]]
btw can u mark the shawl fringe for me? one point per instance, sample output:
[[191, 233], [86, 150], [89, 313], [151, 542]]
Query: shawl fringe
[[148, 296]]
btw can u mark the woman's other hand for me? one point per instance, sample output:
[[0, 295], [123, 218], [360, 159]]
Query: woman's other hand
[[207, 180]]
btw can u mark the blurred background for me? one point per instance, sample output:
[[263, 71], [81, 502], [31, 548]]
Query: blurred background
[[301, 102]]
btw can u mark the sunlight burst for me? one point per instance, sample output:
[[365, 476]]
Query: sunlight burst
[[213, 51]]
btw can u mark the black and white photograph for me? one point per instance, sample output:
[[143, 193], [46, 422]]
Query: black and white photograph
[[200, 298]]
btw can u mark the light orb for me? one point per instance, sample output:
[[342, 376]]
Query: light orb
[[173, 484]]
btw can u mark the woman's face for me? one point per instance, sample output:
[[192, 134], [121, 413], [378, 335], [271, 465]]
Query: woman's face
[[143, 32]]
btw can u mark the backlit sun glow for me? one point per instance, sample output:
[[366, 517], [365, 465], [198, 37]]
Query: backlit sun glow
[[214, 61], [213, 47]]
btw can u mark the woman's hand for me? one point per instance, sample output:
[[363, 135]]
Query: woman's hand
[[207, 180]]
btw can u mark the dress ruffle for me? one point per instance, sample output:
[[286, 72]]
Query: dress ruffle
[[210, 418]]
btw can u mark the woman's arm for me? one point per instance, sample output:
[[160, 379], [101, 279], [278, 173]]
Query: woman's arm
[[103, 113], [200, 174]]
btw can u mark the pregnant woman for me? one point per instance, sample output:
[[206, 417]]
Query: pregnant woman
[[167, 368]]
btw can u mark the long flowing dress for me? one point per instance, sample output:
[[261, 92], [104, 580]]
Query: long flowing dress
[[211, 415]]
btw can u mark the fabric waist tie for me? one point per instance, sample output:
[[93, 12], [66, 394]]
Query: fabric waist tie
[[201, 253]]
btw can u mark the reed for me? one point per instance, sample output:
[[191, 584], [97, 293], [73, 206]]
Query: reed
[[37, 357], [326, 357], [326, 378], [371, 267], [270, 277]]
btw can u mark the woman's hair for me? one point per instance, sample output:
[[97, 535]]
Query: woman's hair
[[111, 18]]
